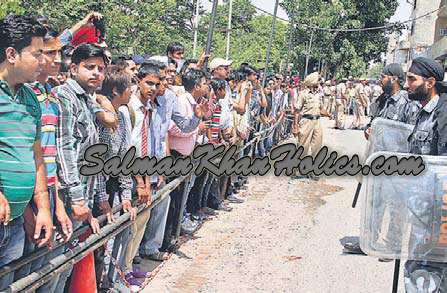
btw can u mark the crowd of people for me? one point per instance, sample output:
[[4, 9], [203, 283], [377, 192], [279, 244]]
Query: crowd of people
[[63, 92]]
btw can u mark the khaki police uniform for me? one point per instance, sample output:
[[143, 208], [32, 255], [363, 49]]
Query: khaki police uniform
[[340, 102], [310, 134], [358, 106]]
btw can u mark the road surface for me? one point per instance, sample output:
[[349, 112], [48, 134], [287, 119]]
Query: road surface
[[284, 238]]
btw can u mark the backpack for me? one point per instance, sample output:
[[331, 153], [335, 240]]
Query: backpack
[[132, 115]]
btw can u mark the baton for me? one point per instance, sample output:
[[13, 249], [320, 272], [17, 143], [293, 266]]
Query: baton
[[356, 196], [396, 275]]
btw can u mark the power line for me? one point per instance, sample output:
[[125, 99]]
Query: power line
[[353, 30]]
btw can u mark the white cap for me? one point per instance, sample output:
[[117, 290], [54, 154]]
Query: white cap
[[216, 62], [162, 59]]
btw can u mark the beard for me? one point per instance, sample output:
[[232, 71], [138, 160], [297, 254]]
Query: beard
[[388, 87], [419, 94]]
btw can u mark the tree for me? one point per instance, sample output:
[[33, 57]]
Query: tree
[[249, 35], [345, 53], [147, 26]]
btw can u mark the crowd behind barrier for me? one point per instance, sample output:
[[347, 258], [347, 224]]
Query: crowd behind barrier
[[61, 93], [79, 249]]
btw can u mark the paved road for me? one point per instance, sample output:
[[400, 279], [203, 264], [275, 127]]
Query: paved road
[[284, 238]]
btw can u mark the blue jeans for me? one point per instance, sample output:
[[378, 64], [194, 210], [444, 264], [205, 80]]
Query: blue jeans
[[155, 228], [62, 280], [12, 241], [30, 247]]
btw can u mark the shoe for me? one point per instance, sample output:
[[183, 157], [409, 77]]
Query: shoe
[[136, 273], [131, 280], [136, 260], [233, 199], [222, 207], [188, 227], [298, 177], [199, 217], [382, 259], [208, 211], [351, 245], [158, 256]]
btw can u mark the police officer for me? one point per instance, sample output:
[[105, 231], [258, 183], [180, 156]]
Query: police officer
[[327, 97], [359, 104], [340, 102], [308, 129], [425, 85], [394, 103]]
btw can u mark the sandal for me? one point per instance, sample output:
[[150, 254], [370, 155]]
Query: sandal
[[159, 256]]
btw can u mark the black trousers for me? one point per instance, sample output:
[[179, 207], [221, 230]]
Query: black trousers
[[174, 208], [195, 198], [112, 189]]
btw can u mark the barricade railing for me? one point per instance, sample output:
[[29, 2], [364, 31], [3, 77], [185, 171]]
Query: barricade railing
[[73, 255]]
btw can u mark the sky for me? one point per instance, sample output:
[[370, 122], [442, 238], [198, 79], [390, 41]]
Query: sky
[[403, 12]]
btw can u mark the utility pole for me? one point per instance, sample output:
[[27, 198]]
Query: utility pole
[[308, 53], [210, 33], [292, 29], [230, 14], [270, 43], [196, 28]]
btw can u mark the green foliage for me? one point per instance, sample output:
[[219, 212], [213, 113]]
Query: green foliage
[[375, 70], [10, 7], [149, 25], [345, 53]]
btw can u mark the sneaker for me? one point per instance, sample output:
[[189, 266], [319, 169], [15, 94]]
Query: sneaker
[[131, 280], [136, 273], [222, 207], [233, 199], [136, 260], [208, 211], [188, 227]]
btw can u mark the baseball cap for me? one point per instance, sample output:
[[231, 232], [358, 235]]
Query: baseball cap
[[216, 62]]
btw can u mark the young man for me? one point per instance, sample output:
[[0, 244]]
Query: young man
[[75, 132], [394, 103], [176, 51], [22, 170], [154, 234], [307, 119], [143, 105], [425, 85], [359, 104], [48, 104], [117, 88], [182, 144]]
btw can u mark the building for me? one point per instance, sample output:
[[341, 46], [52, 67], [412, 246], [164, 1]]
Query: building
[[439, 48], [422, 32]]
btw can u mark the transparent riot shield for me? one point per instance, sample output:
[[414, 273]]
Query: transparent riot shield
[[386, 135], [406, 216]]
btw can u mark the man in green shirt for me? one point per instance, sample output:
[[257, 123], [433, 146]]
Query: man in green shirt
[[22, 173]]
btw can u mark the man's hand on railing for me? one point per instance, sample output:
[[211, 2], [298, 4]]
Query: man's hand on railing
[[107, 210], [94, 224], [127, 208], [66, 225], [44, 228], [142, 194], [81, 211]]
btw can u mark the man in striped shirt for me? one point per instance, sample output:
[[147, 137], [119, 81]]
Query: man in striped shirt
[[22, 172], [75, 132], [48, 105]]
